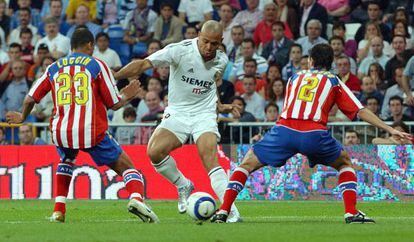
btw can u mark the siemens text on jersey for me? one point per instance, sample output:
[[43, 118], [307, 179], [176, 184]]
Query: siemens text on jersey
[[197, 82]]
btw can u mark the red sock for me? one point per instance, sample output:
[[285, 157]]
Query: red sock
[[63, 178], [134, 184], [347, 183], [236, 184]]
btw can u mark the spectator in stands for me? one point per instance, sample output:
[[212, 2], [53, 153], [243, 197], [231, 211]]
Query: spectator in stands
[[234, 49], [44, 109], [225, 90], [351, 138], [373, 104], [276, 93], [271, 112], [364, 46], [4, 57], [401, 28], [376, 72], [336, 8], [58, 44], [164, 75], [82, 18], [396, 108], [26, 136], [4, 18], [338, 46], [26, 36], [313, 38], [103, 52], [73, 7], [288, 15], [153, 46], [273, 73], [250, 69], [369, 89], [245, 116], [264, 32], [293, 66], [56, 7], [3, 140], [154, 85], [343, 69], [107, 13], [139, 27], [24, 16], [374, 15], [249, 18], [378, 56], [395, 90], [125, 7], [248, 51], [190, 32], [125, 135], [16, 91], [255, 103], [398, 125], [168, 28], [311, 10], [15, 54], [226, 20], [35, 69], [195, 11], [408, 82], [276, 51], [400, 57], [34, 18], [339, 29]]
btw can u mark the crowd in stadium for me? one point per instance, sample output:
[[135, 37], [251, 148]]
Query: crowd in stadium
[[266, 42]]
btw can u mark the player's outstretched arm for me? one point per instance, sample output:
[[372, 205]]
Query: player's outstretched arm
[[128, 93], [18, 118], [368, 116], [133, 69]]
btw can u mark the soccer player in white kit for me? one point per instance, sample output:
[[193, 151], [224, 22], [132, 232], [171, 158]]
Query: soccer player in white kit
[[195, 65]]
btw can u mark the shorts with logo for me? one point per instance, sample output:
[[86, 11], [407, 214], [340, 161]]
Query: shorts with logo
[[281, 143], [183, 125], [104, 153]]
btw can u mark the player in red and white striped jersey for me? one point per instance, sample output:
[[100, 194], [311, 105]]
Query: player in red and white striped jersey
[[302, 129], [82, 89]]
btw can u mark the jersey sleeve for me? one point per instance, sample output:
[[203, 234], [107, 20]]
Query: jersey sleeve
[[346, 101], [41, 87], [106, 85], [164, 56]]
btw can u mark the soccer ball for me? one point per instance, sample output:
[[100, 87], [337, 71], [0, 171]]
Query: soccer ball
[[201, 206]]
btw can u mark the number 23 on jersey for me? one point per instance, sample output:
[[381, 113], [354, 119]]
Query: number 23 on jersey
[[307, 91], [80, 83]]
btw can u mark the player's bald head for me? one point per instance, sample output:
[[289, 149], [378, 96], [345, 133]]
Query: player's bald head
[[212, 27]]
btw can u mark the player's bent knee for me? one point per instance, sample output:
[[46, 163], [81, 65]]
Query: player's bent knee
[[342, 161], [156, 155], [251, 162]]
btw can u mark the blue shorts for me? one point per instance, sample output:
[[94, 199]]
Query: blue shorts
[[281, 143], [104, 153]]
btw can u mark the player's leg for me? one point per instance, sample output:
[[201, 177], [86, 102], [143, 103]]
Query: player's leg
[[162, 142], [347, 182], [109, 153], [207, 149], [63, 178]]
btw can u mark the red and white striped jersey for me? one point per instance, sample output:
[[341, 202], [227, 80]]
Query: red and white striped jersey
[[310, 95], [82, 89]]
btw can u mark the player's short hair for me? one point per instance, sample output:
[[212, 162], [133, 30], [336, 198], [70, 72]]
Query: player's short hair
[[101, 34], [238, 98], [129, 112], [15, 45], [271, 104], [279, 23], [250, 59], [295, 45], [337, 38], [396, 97], [81, 37], [322, 56], [25, 31]]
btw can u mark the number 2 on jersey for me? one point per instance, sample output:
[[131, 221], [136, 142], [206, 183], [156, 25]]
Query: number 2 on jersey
[[64, 95], [306, 92]]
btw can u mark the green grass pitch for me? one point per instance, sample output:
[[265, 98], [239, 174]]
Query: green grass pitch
[[263, 221]]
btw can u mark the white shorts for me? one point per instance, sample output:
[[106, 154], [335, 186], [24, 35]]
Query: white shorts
[[184, 125]]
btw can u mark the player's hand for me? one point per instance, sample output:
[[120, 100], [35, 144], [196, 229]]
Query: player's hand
[[400, 137], [14, 117], [130, 91]]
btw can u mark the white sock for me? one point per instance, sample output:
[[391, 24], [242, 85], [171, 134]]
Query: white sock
[[168, 169], [219, 181]]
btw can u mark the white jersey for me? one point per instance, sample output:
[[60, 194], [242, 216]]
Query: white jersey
[[192, 84]]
